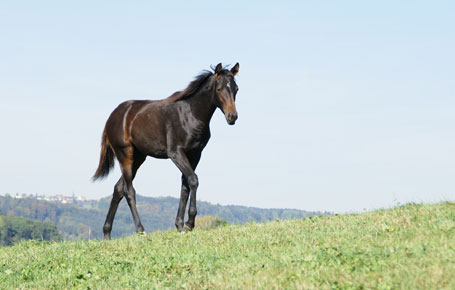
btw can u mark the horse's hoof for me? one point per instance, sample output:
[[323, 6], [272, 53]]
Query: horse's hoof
[[187, 228]]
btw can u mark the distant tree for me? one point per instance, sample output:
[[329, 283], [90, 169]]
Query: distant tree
[[14, 229], [209, 222]]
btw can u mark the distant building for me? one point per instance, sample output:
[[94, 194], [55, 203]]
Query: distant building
[[53, 198]]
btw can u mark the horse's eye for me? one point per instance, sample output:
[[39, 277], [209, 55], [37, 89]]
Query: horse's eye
[[219, 89]]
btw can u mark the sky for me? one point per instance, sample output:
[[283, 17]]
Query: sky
[[344, 106]]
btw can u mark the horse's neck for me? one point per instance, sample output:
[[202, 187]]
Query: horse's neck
[[202, 106]]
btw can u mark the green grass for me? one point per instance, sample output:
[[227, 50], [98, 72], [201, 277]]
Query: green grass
[[407, 247]]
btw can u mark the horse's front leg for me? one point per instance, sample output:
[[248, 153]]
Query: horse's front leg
[[183, 163], [184, 193]]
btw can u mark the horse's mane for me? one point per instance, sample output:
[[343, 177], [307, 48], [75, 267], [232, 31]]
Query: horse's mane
[[194, 86]]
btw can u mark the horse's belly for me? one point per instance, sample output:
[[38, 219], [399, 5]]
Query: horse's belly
[[150, 143], [151, 146], [159, 155]]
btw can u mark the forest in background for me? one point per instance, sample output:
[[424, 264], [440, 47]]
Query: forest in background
[[13, 229], [85, 219]]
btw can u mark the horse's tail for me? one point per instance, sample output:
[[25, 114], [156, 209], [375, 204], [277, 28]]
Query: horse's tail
[[106, 158]]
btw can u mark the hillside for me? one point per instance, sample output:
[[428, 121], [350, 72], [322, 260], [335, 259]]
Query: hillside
[[408, 247], [15, 229], [84, 220]]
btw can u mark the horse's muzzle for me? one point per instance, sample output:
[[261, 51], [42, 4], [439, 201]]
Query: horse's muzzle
[[231, 118]]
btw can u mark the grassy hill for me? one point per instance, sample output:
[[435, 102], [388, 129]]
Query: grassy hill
[[408, 247], [76, 221]]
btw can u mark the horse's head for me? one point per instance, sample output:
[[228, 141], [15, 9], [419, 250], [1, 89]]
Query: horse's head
[[225, 92]]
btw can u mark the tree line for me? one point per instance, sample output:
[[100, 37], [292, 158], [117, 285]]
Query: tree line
[[84, 220], [14, 229]]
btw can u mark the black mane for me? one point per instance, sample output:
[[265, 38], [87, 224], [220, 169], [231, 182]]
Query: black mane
[[197, 83]]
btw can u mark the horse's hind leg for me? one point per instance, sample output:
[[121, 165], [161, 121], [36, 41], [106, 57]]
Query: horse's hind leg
[[116, 198], [129, 165]]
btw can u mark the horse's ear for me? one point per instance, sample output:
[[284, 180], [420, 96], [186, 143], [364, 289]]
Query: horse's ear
[[235, 69], [218, 68]]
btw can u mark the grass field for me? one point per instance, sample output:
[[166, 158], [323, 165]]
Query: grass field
[[407, 247]]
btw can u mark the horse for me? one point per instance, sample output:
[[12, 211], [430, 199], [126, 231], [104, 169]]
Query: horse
[[176, 127]]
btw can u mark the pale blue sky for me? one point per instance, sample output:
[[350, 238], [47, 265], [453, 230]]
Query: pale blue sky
[[343, 105]]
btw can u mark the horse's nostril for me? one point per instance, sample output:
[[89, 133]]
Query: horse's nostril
[[231, 117]]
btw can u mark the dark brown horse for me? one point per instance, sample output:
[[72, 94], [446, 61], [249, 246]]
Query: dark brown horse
[[176, 127]]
